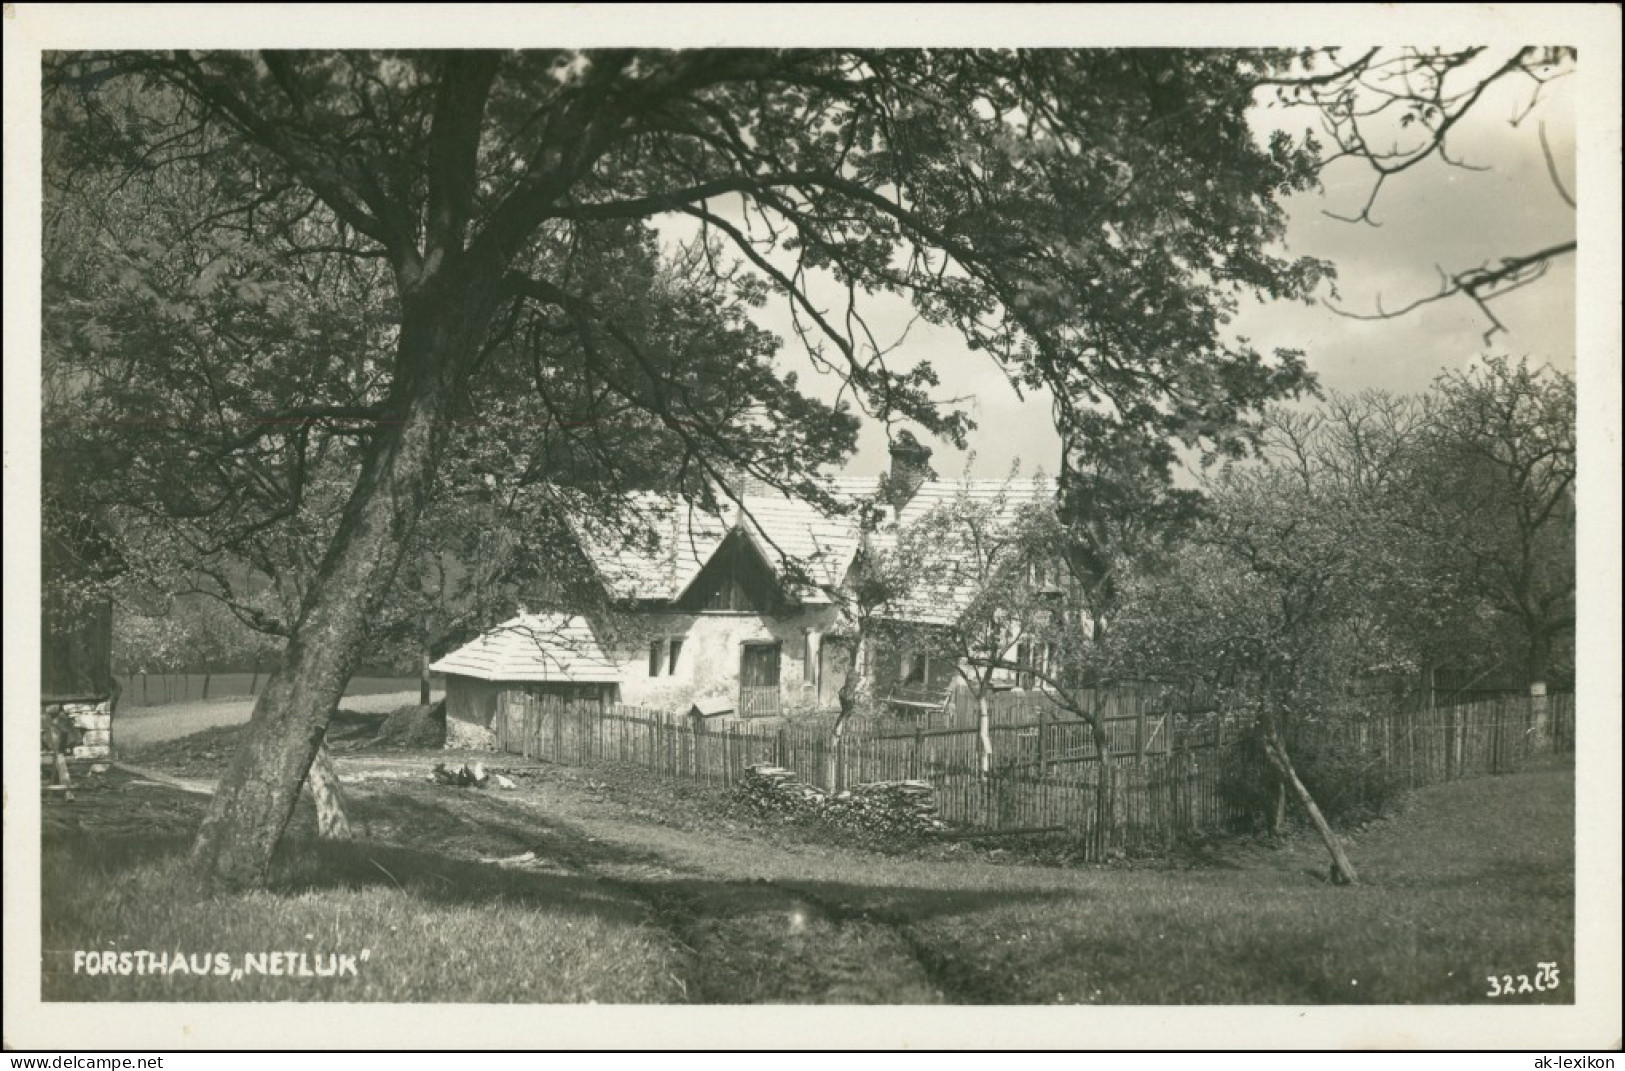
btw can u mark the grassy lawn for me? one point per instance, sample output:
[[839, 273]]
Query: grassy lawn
[[619, 886], [424, 927], [1476, 879]]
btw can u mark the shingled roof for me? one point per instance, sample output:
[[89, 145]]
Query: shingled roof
[[943, 596], [656, 565], [534, 647], [794, 537]]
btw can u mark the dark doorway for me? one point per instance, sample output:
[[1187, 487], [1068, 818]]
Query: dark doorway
[[758, 680]]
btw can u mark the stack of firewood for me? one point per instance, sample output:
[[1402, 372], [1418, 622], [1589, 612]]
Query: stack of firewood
[[776, 780], [884, 808], [909, 803]]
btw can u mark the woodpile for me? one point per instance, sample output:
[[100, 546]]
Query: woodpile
[[84, 727], [765, 777], [912, 803], [882, 808]]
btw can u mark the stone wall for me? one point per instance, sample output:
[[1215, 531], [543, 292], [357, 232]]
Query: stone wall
[[94, 720]]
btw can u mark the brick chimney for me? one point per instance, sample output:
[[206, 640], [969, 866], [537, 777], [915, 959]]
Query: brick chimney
[[742, 483], [910, 467]]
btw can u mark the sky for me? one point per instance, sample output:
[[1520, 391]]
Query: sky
[[1503, 203]]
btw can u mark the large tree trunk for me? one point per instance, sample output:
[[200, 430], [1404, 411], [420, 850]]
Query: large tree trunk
[[1342, 869], [256, 798]]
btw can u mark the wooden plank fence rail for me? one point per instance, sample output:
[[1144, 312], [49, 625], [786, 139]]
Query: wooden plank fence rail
[[1157, 788]]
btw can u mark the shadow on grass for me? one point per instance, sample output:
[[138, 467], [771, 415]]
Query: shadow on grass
[[429, 843]]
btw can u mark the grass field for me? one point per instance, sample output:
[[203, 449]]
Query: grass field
[[614, 885]]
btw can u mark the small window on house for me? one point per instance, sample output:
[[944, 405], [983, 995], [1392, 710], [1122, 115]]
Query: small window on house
[[1024, 660], [806, 657], [671, 660], [913, 668], [656, 657]]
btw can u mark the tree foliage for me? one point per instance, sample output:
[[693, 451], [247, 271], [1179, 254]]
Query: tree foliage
[[305, 283], [1499, 500]]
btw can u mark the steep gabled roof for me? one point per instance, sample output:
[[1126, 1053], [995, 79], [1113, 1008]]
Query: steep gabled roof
[[534, 647], [792, 536], [682, 538]]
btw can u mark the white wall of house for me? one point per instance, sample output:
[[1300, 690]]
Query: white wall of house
[[709, 659]]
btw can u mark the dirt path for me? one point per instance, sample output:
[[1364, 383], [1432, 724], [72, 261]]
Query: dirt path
[[157, 777], [139, 727], [748, 938]]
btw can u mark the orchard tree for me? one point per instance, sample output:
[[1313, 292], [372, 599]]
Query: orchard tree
[[882, 575], [1360, 458], [1269, 607], [979, 594], [1464, 497], [371, 232], [997, 592], [1497, 490], [1117, 514]]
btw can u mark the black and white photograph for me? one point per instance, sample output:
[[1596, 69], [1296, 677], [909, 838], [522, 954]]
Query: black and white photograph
[[784, 526]]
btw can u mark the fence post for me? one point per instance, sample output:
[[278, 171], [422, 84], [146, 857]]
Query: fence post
[[916, 767], [1495, 736], [1448, 733], [1043, 752], [1538, 716]]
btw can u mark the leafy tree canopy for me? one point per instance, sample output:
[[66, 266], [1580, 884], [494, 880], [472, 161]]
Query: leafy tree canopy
[[297, 287]]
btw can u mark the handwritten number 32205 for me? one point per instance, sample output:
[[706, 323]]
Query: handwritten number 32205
[[1545, 979]]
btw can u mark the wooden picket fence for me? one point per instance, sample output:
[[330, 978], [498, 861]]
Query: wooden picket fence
[[1493, 734], [1166, 782], [1123, 701]]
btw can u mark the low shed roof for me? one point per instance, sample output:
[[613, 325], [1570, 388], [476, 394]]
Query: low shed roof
[[534, 647]]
